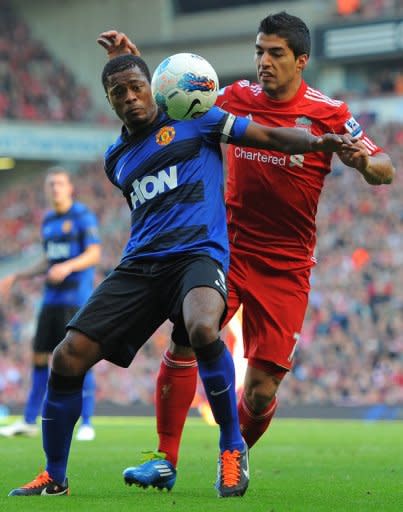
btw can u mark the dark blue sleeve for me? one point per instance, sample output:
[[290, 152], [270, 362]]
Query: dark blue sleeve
[[111, 158], [89, 229], [217, 125]]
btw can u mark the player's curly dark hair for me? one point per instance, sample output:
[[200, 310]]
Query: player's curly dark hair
[[122, 63], [289, 27]]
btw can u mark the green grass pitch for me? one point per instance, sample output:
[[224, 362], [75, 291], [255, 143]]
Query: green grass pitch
[[300, 465]]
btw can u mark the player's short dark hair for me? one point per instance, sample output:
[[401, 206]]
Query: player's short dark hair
[[289, 27], [122, 63], [58, 169]]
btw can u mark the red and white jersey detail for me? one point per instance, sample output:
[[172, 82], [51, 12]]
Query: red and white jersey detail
[[272, 197]]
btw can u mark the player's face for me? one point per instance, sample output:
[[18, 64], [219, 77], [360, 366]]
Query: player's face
[[278, 70], [129, 93], [59, 190]]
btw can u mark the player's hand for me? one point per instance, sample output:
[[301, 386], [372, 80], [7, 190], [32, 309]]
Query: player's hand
[[117, 43], [6, 285], [331, 142], [357, 157], [58, 272]]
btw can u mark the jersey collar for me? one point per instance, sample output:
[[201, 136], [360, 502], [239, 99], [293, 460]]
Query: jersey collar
[[283, 105]]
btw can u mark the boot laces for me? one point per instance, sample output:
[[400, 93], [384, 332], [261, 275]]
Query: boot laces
[[42, 479], [230, 468], [146, 456]]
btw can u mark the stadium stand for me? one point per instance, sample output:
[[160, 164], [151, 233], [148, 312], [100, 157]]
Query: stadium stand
[[368, 9], [53, 93]]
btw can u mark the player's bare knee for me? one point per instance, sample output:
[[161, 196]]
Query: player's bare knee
[[75, 355], [180, 350], [202, 331], [259, 395], [40, 358]]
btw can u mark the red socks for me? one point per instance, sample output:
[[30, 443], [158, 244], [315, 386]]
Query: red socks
[[254, 426], [176, 387]]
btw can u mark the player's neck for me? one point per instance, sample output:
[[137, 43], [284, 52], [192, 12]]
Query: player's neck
[[64, 207], [141, 130], [286, 93]]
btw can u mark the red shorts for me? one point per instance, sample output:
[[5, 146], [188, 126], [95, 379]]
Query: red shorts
[[274, 305]]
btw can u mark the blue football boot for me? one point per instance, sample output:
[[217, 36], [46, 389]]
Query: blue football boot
[[156, 471]]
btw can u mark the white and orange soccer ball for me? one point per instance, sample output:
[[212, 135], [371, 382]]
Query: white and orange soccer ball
[[185, 86]]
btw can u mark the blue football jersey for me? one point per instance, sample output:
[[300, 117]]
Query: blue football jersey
[[172, 178], [66, 236]]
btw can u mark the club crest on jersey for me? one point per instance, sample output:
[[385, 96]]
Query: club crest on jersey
[[304, 123], [165, 135], [67, 226], [353, 127]]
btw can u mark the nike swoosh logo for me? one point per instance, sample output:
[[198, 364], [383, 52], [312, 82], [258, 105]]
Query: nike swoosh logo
[[56, 493], [246, 472], [120, 171], [192, 105], [216, 393], [47, 419]]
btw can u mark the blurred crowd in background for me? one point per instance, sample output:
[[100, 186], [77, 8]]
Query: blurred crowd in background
[[351, 345], [352, 342], [34, 85], [368, 9]]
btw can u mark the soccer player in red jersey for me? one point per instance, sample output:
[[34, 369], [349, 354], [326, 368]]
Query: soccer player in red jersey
[[272, 200]]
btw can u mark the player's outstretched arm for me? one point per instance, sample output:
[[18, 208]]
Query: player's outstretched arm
[[293, 140], [376, 170], [117, 43]]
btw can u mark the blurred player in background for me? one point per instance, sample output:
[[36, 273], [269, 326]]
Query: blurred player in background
[[72, 249], [272, 200], [173, 266]]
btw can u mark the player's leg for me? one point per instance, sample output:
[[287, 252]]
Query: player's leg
[[176, 384], [274, 307], [39, 380], [175, 390], [258, 402], [73, 357], [51, 330], [103, 328], [202, 310], [86, 431], [43, 345]]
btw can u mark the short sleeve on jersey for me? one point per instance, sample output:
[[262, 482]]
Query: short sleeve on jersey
[[89, 229], [345, 122], [217, 125]]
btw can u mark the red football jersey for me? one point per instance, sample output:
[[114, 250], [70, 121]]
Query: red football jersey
[[272, 197]]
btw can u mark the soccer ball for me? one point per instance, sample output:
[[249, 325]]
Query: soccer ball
[[185, 86]]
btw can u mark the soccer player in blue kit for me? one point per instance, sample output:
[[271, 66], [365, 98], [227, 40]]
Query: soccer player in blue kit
[[71, 249], [173, 266]]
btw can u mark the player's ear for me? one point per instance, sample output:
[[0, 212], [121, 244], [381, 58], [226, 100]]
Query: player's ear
[[109, 101], [302, 61]]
